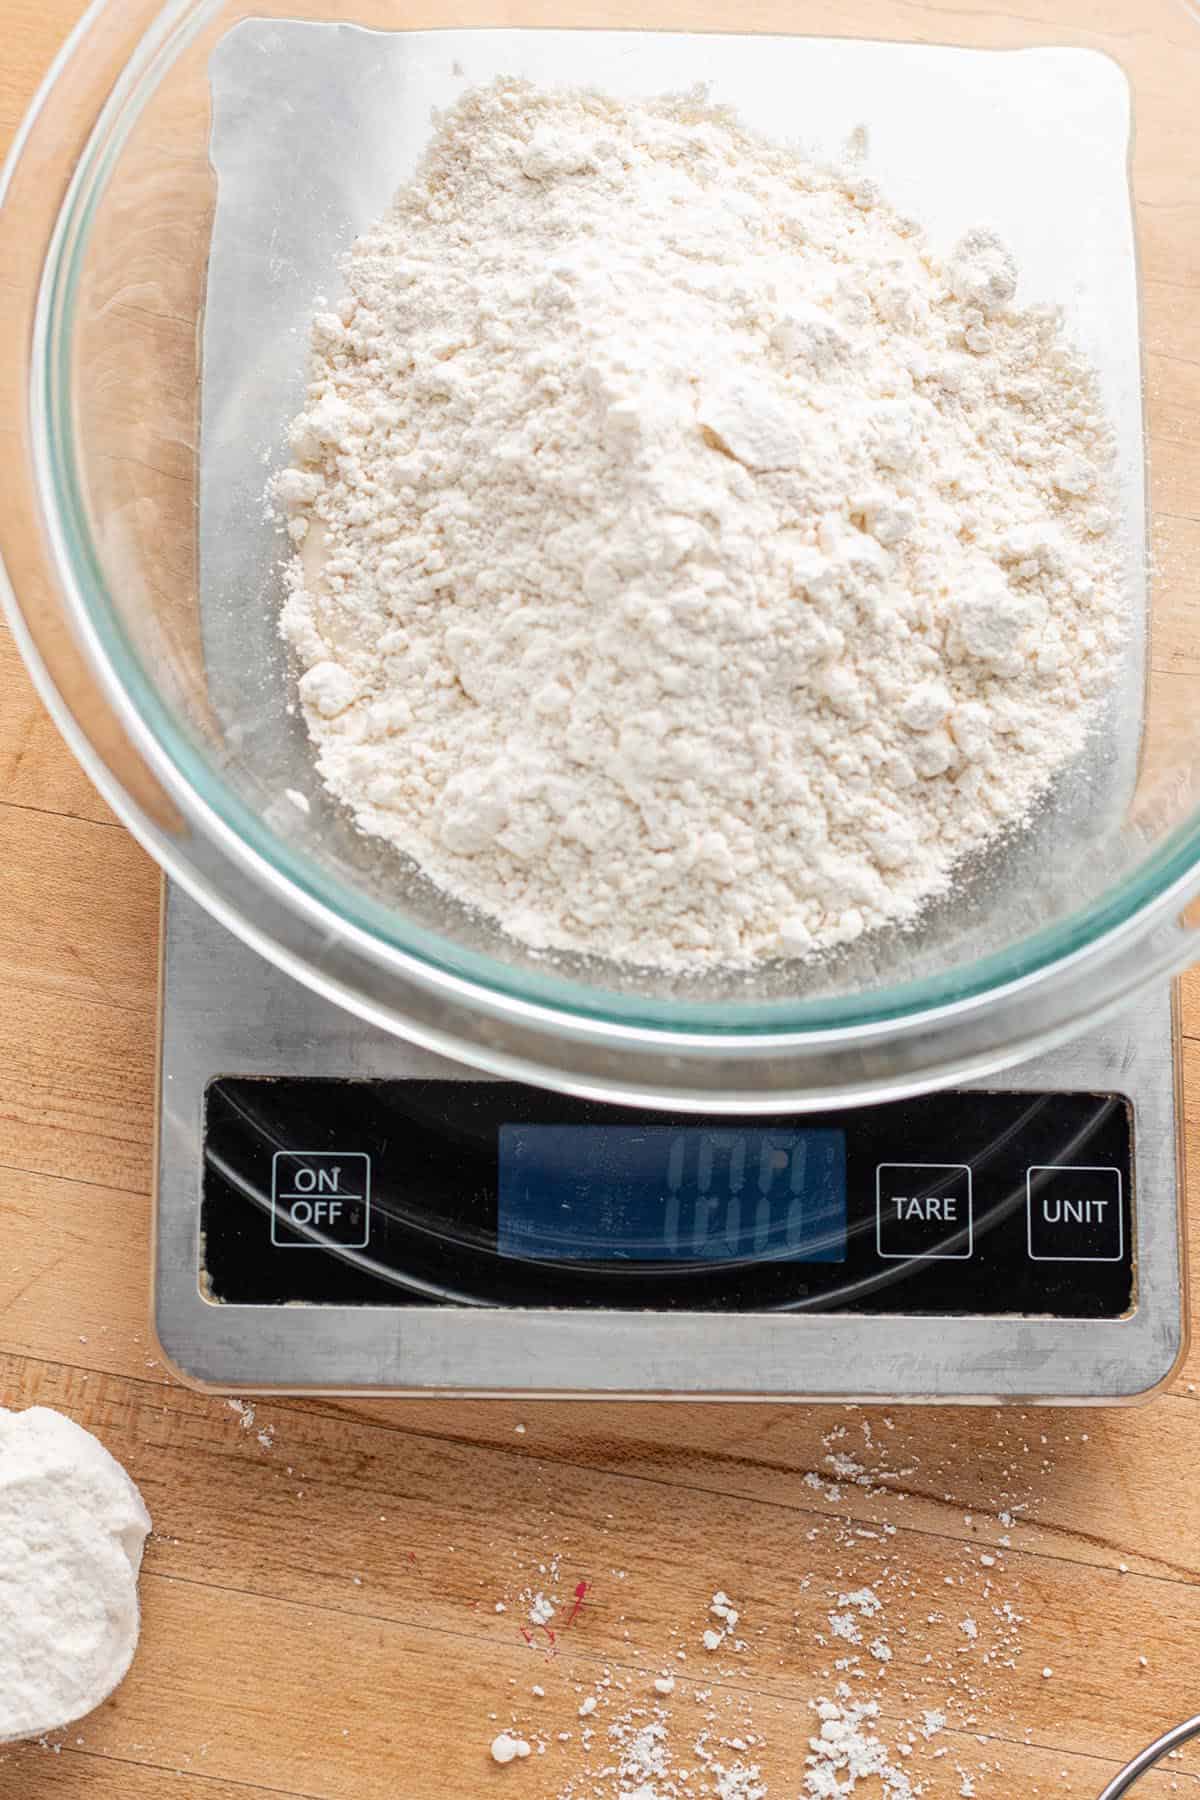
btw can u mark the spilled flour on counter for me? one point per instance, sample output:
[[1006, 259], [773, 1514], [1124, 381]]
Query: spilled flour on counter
[[620, 1700], [691, 568]]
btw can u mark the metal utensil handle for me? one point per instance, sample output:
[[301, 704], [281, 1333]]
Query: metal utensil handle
[[1169, 1740]]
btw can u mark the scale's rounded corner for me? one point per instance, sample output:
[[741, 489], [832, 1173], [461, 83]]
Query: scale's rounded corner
[[170, 1360], [171, 1363], [1160, 1385]]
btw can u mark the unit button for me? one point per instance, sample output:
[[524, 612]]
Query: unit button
[[924, 1210], [319, 1198], [1075, 1213]]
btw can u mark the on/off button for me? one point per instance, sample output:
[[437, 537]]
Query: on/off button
[[321, 1199]]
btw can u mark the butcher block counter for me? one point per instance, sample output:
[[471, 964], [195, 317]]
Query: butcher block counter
[[349, 1600]]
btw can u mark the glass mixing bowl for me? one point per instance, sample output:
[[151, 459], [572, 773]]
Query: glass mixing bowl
[[176, 700]]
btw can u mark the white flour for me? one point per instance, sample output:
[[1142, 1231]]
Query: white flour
[[692, 569], [72, 1527], [937, 1714], [506, 1748]]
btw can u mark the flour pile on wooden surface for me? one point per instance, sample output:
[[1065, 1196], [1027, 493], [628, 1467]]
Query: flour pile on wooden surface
[[691, 567], [72, 1527]]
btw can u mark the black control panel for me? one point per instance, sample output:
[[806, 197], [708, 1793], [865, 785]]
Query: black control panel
[[387, 1193]]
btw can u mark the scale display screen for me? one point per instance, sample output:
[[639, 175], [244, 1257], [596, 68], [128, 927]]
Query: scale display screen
[[328, 1191], [658, 1193]]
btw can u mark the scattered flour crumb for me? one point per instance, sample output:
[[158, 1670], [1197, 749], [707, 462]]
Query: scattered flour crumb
[[722, 1609], [506, 1747]]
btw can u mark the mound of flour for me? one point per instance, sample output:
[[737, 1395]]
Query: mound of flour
[[72, 1527], [690, 567]]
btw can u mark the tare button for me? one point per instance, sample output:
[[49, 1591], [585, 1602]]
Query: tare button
[[320, 1197], [1075, 1213], [924, 1210]]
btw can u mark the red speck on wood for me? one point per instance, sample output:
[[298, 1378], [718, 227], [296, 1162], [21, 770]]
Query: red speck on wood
[[581, 1593]]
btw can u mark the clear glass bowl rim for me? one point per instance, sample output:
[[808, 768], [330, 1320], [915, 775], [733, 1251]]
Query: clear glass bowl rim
[[1167, 875]]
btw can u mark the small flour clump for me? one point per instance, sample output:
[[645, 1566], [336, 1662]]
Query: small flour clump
[[691, 568], [848, 1752], [506, 1748]]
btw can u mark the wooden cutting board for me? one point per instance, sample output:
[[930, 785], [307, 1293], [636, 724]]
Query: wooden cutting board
[[333, 1594]]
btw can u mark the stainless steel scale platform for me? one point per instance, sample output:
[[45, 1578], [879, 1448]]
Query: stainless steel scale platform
[[340, 1211]]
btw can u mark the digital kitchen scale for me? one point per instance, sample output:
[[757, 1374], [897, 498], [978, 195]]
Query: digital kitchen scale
[[338, 1210]]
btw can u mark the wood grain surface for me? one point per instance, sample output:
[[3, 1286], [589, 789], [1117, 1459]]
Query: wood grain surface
[[323, 1590]]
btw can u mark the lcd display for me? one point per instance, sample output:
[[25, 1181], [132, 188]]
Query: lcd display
[[665, 1193]]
